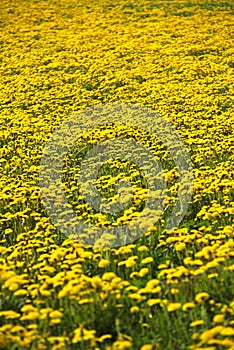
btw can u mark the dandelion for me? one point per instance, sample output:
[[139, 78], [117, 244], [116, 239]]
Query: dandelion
[[55, 314], [180, 246], [9, 314], [143, 272], [134, 309], [173, 307], [187, 306], [218, 318], [103, 263], [227, 331], [174, 291], [108, 276], [196, 323], [31, 316], [201, 297], [152, 302], [147, 347], [147, 260], [130, 262], [142, 248], [83, 334], [121, 345]]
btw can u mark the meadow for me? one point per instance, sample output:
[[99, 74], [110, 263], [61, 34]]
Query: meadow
[[168, 289]]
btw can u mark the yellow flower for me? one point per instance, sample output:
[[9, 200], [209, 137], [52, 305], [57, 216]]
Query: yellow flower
[[103, 263], [3, 250], [189, 305], [20, 292], [174, 291], [146, 325], [104, 337], [8, 231], [152, 302], [147, 260], [32, 326], [142, 248], [133, 274], [55, 314], [83, 334], [130, 262], [9, 314], [180, 246], [196, 323], [152, 283], [64, 292], [201, 297], [207, 335], [134, 309], [218, 318], [173, 307], [123, 250], [147, 347], [108, 276], [121, 345], [55, 321], [32, 315], [143, 272], [137, 297], [96, 282], [28, 308], [229, 230], [45, 292], [227, 331], [13, 286]]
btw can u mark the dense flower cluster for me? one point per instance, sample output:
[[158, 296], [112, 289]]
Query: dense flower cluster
[[170, 289]]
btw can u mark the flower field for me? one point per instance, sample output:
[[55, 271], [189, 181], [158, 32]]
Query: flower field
[[168, 289]]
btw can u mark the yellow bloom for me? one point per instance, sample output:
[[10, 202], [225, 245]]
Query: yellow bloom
[[9, 314], [152, 283], [20, 292], [96, 282], [130, 262], [134, 309], [13, 286], [104, 337], [103, 263], [3, 250], [187, 306], [55, 314], [32, 315], [174, 291], [218, 318], [180, 246], [121, 345], [227, 331], [108, 276], [152, 302], [173, 307], [196, 323], [137, 297], [229, 230], [207, 335], [147, 347], [83, 334], [143, 272], [133, 274], [147, 260], [28, 308], [200, 297], [142, 248]]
